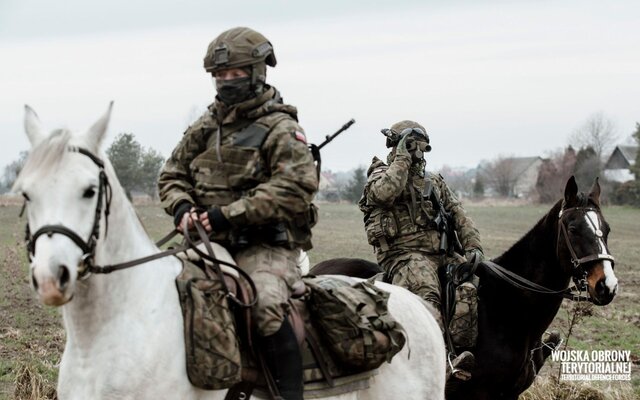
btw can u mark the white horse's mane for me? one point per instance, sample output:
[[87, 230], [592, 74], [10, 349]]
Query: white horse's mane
[[47, 155]]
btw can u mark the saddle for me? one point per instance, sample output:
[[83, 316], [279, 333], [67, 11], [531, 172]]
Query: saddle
[[230, 357]]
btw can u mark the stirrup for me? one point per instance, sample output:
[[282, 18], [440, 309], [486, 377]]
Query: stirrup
[[461, 366]]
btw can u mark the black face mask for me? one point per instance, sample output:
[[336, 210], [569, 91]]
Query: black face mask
[[234, 91]]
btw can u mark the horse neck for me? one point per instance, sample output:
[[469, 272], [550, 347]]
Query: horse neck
[[534, 255], [106, 299]]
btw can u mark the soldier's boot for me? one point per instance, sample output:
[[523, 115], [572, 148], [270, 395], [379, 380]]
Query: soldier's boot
[[282, 355], [460, 367], [550, 343]]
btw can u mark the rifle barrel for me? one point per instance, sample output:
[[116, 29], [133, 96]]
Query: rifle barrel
[[329, 138]]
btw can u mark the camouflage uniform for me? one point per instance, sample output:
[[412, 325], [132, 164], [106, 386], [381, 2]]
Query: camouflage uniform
[[252, 163], [400, 224]]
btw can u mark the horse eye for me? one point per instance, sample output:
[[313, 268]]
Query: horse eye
[[89, 193], [26, 196], [573, 229]]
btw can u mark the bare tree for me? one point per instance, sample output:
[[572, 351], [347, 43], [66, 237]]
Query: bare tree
[[553, 174], [598, 132], [500, 175]]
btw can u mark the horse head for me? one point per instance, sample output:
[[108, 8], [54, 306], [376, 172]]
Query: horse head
[[582, 243], [67, 196]]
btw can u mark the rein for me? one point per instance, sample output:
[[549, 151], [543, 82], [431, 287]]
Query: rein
[[89, 247], [522, 283], [578, 273]]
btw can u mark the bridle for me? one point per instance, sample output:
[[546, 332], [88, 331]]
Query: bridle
[[578, 273], [88, 247]]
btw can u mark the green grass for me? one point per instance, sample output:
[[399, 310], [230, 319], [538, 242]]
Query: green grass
[[31, 335]]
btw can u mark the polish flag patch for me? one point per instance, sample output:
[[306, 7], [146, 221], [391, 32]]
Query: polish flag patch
[[300, 136]]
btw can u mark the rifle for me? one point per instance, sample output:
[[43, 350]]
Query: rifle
[[449, 242], [315, 149]]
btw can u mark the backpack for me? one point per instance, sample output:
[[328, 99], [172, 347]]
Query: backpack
[[354, 320]]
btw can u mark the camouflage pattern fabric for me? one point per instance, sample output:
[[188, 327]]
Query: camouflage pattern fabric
[[250, 159], [388, 201], [355, 321], [399, 223], [275, 273], [464, 324], [211, 344]]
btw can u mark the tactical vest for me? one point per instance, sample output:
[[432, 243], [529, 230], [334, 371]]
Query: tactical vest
[[224, 177], [408, 223]]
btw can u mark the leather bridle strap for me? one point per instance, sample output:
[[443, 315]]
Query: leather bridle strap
[[522, 283], [574, 257], [50, 230], [88, 246]]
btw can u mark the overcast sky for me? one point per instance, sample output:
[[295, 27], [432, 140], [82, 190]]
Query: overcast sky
[[484, 77]]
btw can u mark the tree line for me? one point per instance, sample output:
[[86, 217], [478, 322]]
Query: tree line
[[137, 167]]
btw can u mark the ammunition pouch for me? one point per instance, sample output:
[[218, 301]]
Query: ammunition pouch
[[381, 227]]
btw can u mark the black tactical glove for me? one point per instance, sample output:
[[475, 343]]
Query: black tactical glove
[[182, 208], [217, 220]]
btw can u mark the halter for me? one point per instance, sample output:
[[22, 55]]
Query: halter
[[579, 275], [88, 247]]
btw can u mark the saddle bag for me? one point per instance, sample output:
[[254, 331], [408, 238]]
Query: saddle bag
[[355, 321], [211, 343]]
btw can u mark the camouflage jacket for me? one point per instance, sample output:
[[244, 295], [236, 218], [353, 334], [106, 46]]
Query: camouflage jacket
[[398, 217], [251, 160]]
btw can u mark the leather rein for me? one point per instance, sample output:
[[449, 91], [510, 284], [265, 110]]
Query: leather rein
[[579, 275], [88, 247]]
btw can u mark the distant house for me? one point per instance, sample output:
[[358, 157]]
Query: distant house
[[511, 176], [328, 187], [617, 166], [525, 173]]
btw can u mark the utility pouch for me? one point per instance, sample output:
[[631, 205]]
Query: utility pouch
[[211, 343]]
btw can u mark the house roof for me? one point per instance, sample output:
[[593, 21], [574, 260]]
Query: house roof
[[521, 164], [630, 153]]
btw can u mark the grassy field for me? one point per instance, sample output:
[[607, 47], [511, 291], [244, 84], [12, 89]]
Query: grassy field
[[32, 339]]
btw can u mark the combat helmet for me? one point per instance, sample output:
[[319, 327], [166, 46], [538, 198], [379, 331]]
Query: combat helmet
[[241, 47], [406, 127]]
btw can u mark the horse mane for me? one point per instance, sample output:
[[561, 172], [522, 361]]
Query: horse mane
[[47, 155], [581, 200]]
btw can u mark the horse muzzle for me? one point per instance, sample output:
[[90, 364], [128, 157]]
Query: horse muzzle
[[53, 286], [602, 284]]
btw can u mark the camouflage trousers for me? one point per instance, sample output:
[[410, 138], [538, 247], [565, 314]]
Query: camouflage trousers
[[275, 273], [416, 271]]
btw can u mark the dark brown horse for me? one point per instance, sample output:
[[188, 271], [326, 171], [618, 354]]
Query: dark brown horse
[[568, 242]]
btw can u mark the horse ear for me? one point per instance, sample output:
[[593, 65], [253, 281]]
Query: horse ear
[[594, 194], [97, 132], [571, 191], [32, 126]]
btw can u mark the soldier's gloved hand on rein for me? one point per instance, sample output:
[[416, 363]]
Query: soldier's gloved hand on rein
[[214, 220], [182, 208], [471, 253], [401, 148]]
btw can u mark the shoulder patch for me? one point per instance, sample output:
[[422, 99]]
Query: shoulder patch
[[299, 136]]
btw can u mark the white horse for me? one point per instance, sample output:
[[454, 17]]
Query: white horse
[[124, 330]]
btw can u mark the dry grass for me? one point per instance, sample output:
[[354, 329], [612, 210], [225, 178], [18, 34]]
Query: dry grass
[[549, 388], [31, 385], [31, 337]]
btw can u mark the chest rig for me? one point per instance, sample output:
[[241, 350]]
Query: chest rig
[[409, 222], [225, 171]]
